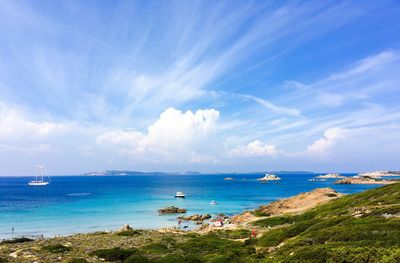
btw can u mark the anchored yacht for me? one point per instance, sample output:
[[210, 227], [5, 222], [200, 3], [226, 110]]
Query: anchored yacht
[[39, 181]]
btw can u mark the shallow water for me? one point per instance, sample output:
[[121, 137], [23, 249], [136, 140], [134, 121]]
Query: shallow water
[[75, 204]]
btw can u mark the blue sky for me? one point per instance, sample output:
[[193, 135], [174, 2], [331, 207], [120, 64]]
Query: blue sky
[[199, 85]]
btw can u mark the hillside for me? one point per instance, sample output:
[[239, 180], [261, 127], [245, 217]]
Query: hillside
[[363, 227]]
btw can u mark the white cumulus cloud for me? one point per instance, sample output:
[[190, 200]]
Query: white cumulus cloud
[[330, 138], [175, 132], [15, 125]]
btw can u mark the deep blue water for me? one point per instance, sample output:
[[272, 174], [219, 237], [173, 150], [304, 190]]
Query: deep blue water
[[73, 204]]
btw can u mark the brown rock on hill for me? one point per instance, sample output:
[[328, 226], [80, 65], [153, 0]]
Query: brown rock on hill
[[300, 202]]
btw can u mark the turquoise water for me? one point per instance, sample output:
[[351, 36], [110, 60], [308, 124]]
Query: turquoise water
[[76, 204]]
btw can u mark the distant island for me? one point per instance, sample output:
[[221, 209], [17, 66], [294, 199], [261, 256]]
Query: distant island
[[127, 172], [121, 173]]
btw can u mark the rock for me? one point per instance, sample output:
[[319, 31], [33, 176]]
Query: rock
[[269, 177], [300, 202], [205, 217], [172, 210], [229, 179], [364, 180], [333, 175], [125, 228], [13, 255], [195, 217]]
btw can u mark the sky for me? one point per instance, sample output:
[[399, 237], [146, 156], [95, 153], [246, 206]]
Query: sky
[[209, 86]]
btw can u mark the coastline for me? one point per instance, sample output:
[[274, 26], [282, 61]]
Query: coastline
[[132, 202], [253, 236], [290, 205], [250, 231]]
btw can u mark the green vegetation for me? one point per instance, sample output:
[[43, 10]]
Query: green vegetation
[[130, 232], [364, 227], [16, 240], [354, 228], [200, 248], [233, 234], [115, 254], [78, 260], [56, 248]]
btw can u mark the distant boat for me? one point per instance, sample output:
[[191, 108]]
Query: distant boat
[[213, 202], [37, 181], [180, 195]]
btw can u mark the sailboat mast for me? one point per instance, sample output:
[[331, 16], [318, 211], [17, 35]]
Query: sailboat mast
[[42, 171]]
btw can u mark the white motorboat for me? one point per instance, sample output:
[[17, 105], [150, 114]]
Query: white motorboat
[[180, 195], [213, 202]]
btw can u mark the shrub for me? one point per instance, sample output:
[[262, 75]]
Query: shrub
[[136, 259], [331, 195], [314, 254], [212, 244], [114, 254], [171, 259], [156, 248], [78, 260], [98, 233], [130, 232], [233, 234], [271, 238], [260, 213], [274, 221], [215, 258], [356, 255], [3, 260], [16, 240], [56, 248]]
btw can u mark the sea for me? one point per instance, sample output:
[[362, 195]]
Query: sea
[[81, 204]]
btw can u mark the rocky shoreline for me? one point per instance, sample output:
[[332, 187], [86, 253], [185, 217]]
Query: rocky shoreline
[[363, 180]]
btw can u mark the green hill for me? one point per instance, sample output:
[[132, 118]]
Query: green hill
[[363, 227]]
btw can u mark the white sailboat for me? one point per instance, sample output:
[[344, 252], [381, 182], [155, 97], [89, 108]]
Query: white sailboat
[[37, 181]]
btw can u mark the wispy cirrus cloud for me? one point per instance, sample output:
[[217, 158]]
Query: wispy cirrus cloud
[[136, 79]]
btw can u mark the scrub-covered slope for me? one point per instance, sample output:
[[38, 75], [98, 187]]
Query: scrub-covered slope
[[363, 227]]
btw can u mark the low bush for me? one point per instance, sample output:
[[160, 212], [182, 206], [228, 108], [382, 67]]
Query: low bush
[[212, 244], [156, 248], [78, 260], [136, 259], [233, 234], [115, 254], [16, 240], [56, 248], [271, 238], [172, 258], [130, 232]]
